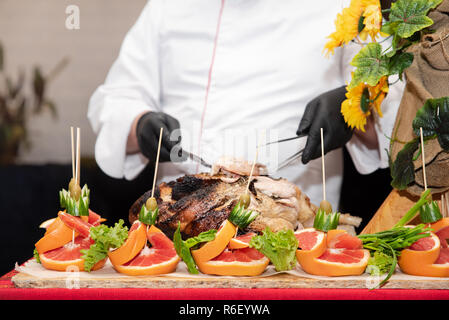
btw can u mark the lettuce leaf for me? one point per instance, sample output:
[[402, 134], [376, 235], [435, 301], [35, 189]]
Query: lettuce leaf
[[105, 238], [280, 247], [183, 247]]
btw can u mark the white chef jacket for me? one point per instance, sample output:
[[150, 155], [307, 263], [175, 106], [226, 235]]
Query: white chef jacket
[[235, 73]]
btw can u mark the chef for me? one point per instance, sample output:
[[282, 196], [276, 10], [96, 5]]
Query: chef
[[222, 76]]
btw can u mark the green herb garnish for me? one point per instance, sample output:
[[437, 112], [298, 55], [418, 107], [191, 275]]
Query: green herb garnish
[[183, 247], [280, 247], [105, 238], [386, 246], [241, 217], [326, 221], [36, 256], [75, 207]]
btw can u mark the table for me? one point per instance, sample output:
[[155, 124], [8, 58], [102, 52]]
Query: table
[[9, 292]]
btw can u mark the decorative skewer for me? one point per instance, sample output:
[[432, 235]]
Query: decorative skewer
[[150, 210], [423, 159], [324, 204]]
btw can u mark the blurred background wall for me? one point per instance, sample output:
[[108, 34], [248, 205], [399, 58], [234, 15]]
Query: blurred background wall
[[33, 32]]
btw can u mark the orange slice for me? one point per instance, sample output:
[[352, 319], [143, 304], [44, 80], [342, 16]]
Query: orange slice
[[69, 255], [424, 258], [213, 248], [161, 258], [239, 262], [241, 242], [57, 235], [135, 242], [315, 257]]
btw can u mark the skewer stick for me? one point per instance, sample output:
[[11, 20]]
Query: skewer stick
[[157, 162], [78, 154], [73, 152], [423, 159], [322, 165], [252, 169]]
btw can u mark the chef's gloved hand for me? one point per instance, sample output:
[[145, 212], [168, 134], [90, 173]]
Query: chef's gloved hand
[[324, 112], [148, 130]]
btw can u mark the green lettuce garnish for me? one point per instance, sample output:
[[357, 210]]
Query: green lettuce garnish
[[183, 247], [36, 256], [105, 238], [280, 247]]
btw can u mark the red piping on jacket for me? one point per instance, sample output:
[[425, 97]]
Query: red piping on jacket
[[209, 79]]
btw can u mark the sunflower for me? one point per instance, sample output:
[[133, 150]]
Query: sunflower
[[361, 18], [360, 102]]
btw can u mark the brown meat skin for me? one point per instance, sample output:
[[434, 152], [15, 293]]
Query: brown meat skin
[[202, 202]]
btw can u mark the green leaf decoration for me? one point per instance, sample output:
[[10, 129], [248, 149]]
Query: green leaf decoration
[[241, 217], [371, 65], [183, 251], [430, 212], [411, 16], [403, 171], [400, 62], [433, 118], [147, 216], [326, 221], [74, 207]]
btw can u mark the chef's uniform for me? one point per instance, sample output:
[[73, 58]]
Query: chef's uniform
[[234, 73]]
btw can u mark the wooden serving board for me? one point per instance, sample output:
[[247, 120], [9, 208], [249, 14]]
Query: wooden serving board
[[282, 280]]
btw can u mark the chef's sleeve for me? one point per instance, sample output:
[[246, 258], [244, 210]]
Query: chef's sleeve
[[131, 88], [368, 160]]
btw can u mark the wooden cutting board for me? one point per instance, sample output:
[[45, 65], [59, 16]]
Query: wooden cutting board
[[392, 210], [22, 280]]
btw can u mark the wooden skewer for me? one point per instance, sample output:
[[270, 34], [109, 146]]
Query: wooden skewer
[[252, 169], [78, 155], [157, 162], [322, 165], [423, 159], [73, 152]]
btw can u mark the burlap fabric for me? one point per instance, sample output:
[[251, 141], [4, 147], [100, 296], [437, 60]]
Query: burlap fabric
[[427, 77]]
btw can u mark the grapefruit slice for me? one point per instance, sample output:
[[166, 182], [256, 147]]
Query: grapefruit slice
[[56, 235], [238, 262], [242, 241], [133, 245], [76, 223], [161, 258], [68, 255], [213, 248], [344, 256], [441, 229], [427, 256], [311, 240]]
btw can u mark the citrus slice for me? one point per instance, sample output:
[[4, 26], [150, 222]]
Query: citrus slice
[[238, 262], [69, 255], [341, 239], [242, 241], [57, 235], [213, 248], [47, 223], [344, 257], [133, 245], [311, 241], [161, 258], [76, 223], [428, 256], [441, 229]]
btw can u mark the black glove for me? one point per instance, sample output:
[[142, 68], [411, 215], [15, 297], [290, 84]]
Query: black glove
[[148, 130], [324, 112]]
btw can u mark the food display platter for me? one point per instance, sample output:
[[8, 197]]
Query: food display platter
[[108, 278]]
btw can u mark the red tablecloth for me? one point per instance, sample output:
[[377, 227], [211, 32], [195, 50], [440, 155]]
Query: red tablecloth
[[8, 291]]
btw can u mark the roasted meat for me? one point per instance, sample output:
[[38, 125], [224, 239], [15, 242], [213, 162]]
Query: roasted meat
[[203, 201]]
